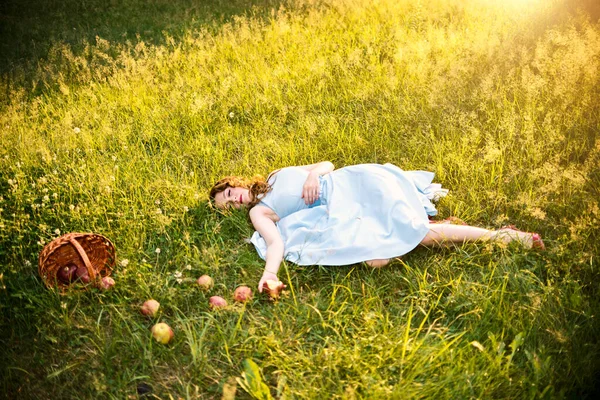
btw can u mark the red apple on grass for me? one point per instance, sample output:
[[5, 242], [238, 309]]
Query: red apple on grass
[[107, 282], [162, 333], [150, 307], [242, 294], [217, 302], [205, 282], [273, 288]]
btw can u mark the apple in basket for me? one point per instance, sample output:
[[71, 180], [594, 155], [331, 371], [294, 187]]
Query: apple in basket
[[82, 274], [66, 274]]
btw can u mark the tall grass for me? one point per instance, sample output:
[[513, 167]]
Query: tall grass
[[121, 131]]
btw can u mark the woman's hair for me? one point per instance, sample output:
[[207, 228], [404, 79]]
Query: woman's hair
[[257, 185]]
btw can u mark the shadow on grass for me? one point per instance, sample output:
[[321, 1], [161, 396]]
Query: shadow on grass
[[29, 29]]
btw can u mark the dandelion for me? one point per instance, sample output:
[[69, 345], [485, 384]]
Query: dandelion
[[57, 231], [157, 251], [124, 262], [76, 130]]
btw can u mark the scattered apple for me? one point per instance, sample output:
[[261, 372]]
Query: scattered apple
[[242, 294], [217, 302], [107, 282], [82, 274], [162, 333], [66, 274], [150, 307], [273, 288], [205, 282]]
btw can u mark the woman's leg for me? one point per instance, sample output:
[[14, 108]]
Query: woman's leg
[[378, 263], [441, 234]]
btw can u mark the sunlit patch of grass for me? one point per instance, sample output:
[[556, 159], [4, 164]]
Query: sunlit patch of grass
[[123, 135]]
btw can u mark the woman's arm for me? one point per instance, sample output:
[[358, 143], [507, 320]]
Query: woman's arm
[[321, 168], [266, 227], [310, 190]]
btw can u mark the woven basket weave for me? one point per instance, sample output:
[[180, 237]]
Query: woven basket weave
[[94, 252]]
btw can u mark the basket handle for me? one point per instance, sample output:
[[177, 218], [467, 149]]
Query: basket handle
[[85, 259]]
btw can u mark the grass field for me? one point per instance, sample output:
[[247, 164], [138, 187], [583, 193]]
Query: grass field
[[116, 117]]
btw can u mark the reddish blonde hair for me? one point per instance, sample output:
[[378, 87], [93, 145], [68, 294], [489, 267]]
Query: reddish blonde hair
[[257, 186]]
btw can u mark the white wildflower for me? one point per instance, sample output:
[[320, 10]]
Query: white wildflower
[[112, 178], [114, 158], [157, 202], [76, 130], [54, 195], [63, 305], [71, 207], [188, 267], [27, 263], [57, 231], [157, 251], [46, 198], [144, 260], [45, 190], [158, 211], [185, 209], [179, 280], [231, 115], [124, 262], [177, 274], [11, 182]]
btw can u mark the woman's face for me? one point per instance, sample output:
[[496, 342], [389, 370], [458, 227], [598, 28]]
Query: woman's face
[[233, 197]]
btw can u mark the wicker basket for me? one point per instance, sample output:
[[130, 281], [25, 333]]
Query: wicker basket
[[94, 252]]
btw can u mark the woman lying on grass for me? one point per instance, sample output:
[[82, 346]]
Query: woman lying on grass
[[370, 213]]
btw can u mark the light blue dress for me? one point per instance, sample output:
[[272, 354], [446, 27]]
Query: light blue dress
[[364, 212]]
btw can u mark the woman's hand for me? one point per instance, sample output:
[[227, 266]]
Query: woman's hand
[[310, 190], [266, 276]]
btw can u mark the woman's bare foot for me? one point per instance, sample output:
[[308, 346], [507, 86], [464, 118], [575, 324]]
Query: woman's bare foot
[[528, 239]]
